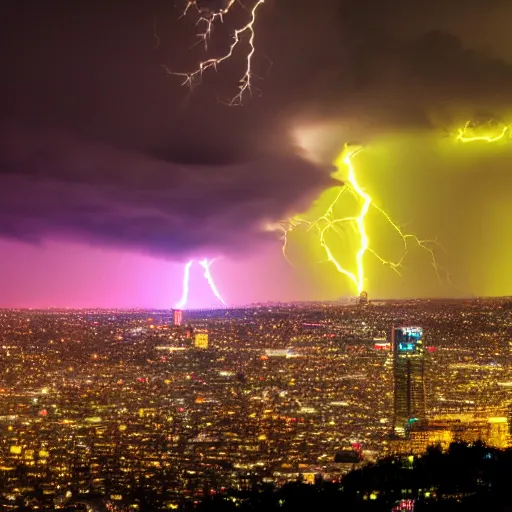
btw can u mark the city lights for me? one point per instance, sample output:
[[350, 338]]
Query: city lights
[[325, 387], [318, 356]]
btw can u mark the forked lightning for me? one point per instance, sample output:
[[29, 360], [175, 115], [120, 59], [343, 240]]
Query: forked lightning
[[206, 264], [208, 20], [328, 223]]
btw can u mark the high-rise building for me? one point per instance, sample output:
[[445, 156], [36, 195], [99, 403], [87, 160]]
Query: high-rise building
[[497, 433], [178, 317], [201, 339], [409, 383], [363, 299]]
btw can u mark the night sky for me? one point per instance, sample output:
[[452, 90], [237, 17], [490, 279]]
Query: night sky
[[113, 175]]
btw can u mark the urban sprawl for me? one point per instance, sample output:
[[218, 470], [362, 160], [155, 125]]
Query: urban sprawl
[[183, 403]]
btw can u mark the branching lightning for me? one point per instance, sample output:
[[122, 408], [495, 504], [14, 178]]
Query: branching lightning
[[208, 19], [206, 264], [494, 137], [327, 223]]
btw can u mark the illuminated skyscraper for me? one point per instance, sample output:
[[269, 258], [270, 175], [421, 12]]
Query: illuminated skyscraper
[[363, 298], [201, 339], [409, 384], [178, 317]]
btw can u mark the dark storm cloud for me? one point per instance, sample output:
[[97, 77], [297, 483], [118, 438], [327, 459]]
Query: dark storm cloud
[[414, 64], [60, 186], [107, 149], [145, 164]]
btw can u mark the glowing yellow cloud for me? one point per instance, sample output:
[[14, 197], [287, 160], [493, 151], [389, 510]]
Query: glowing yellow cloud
[[327, 223]]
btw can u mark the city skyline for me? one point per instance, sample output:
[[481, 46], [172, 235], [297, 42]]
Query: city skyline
[[209, 403], [255, 255]]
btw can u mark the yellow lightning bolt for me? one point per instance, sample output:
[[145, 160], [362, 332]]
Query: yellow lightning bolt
[[327, 222], [245, 82], [463, 137]]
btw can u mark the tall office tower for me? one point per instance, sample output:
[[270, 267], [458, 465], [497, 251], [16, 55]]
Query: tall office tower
[[178, 317], [201, 339], [409, 383], [363, 298]]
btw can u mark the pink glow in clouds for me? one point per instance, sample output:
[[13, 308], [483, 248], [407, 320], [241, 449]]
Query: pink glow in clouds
[[59, 274]]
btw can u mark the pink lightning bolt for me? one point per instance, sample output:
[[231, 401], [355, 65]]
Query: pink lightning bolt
[[184, 294], [206, 264]]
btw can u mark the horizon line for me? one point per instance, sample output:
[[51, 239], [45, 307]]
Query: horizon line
[[341, 302]]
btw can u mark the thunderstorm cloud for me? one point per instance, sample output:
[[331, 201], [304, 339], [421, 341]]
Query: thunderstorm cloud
[[99, 144], [57, 185]]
